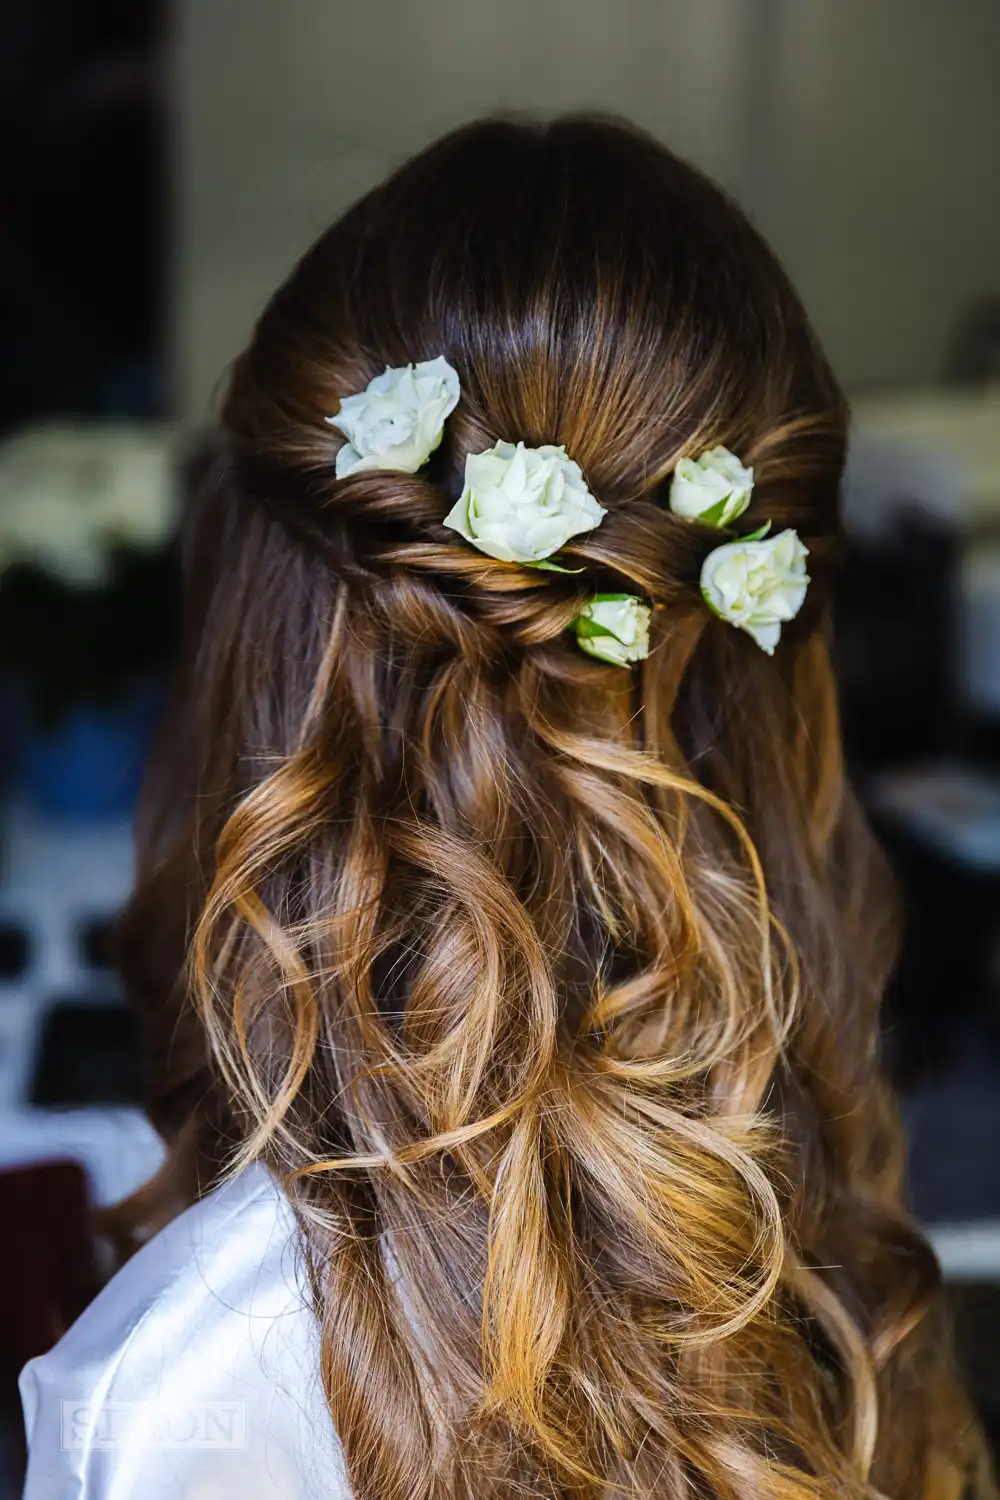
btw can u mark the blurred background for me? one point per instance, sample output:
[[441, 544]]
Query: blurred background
[[164, 163]]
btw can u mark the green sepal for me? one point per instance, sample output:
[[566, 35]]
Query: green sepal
[[590, 628], [550, 567], [717, 612], [713, 516], [758, 535]]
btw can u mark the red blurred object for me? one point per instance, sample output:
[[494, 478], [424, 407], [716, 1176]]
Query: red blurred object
[[49, 1267]]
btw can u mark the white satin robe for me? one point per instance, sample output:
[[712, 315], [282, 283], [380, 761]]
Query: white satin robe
[[194, 1375]]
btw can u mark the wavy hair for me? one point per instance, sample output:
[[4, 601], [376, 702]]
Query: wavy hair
[[548, 991]]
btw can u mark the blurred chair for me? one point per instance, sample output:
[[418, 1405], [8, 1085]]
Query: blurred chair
[[896, 642]]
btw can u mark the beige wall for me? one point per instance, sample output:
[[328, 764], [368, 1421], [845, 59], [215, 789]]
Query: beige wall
[[863, 134], [888, 165]]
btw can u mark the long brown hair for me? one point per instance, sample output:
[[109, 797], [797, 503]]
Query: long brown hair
[[547, 990]]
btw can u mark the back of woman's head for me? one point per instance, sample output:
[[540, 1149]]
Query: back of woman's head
[[549, 988]]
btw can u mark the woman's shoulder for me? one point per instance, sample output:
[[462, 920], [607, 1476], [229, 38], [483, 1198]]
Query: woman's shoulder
[[194, 1372]]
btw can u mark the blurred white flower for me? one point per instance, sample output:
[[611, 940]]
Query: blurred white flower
[[70, 494], [398, 420], [522, 504], [714, 488], [615, 628], [757, 584]]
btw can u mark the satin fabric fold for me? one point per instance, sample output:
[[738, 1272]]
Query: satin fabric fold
[[194, 1375]]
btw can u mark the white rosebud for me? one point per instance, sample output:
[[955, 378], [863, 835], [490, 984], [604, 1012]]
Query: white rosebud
[[714, 489], [398, 420], [522, 504], [757, 584], [615, 628]]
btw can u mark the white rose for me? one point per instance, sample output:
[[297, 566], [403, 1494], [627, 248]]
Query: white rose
[[398, 421], [615, 628], [137, 496], [522, 504], [52, 532], [71, 493], [757, 584], [714, 488]]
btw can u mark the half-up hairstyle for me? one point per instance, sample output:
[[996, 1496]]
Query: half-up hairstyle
[[547, 990]]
